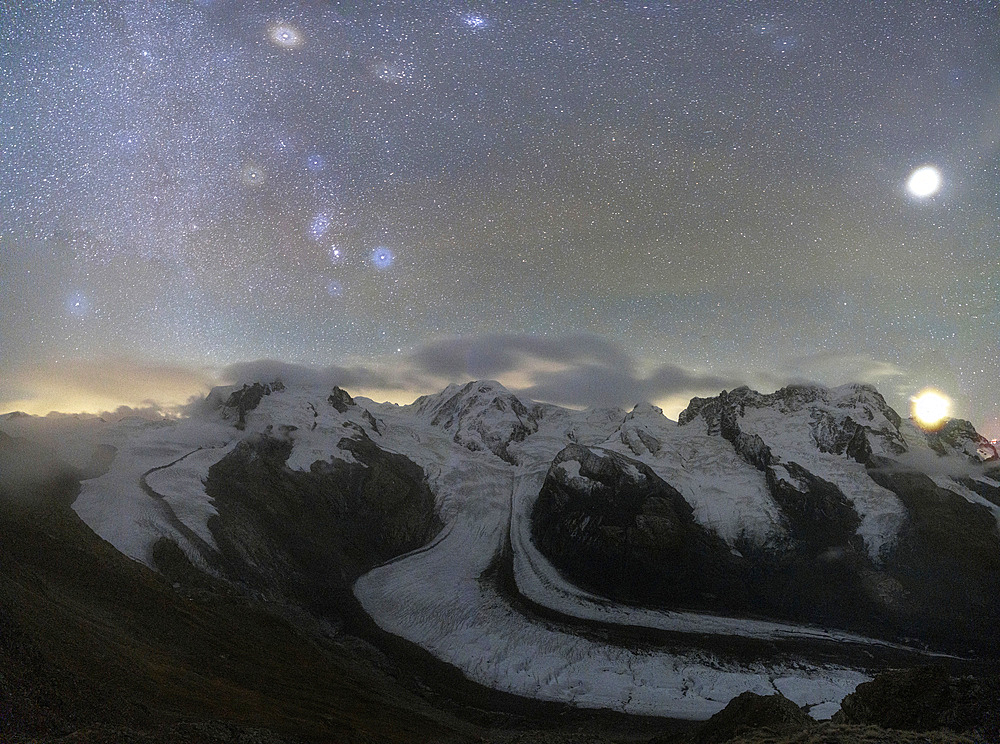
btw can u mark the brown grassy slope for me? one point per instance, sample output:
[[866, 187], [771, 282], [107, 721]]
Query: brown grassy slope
[[89, 637]]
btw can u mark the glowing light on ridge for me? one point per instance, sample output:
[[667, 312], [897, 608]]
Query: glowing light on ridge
[[930, 408]]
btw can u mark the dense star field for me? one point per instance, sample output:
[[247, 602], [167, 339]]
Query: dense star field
[[593, 202]]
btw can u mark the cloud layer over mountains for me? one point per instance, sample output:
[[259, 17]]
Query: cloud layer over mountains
[[576, 370]]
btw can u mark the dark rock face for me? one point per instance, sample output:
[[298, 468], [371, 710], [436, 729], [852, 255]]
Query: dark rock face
[[926, 699], [612, 524], [946, 564], [824, 557], [958, 435], [376, 425], [340, 400], [305, 536], [751, 713], [936, 582], [248, 398], [818, 514]]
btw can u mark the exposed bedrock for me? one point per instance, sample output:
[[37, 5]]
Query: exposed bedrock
[[305, 536], [612, 526]]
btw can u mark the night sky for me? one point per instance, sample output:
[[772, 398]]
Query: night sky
[[594, 202]]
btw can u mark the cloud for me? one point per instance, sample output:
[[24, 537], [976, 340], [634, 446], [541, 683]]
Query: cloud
[[151, 411], [573, 370], [593, 385], [930, 463], [838, 369], [493, 355], [100, 385], [268, 370]]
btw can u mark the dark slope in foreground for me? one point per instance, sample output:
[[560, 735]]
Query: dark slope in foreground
[[91, 638]]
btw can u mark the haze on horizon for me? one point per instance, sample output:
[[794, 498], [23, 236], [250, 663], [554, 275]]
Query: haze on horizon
[[594, 203]]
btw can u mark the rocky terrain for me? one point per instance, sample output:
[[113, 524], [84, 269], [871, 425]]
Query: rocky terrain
[[300, 565], [926, 566]]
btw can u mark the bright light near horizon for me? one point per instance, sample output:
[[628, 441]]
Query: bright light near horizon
[[924, 181], [930, 408]]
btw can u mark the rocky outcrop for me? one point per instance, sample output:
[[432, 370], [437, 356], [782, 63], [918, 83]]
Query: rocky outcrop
[[818, 514], [376, 425], [926, 699], [248, 398], [749, 713], [340, 400], [958, 436], [305, 536], [613, 525]]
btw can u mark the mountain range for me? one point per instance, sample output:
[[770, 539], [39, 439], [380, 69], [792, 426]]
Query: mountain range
[[295, 562]]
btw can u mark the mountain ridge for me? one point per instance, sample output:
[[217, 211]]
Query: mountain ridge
[[790, 500]]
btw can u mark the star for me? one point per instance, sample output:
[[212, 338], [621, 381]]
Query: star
[[285, 35], [319, 225], [77, 304], [382, 257]]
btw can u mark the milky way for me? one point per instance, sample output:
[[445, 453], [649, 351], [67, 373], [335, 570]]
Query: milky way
[[626, 197]]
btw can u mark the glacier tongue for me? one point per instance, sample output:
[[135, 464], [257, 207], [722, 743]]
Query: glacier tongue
[[438, 599]]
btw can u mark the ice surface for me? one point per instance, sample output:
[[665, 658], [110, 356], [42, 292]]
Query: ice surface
[[438, 599], [789, 436], [118, 509], [182, 486]]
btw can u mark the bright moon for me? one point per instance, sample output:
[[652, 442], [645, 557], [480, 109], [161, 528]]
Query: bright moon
[[924, 181], [930, 408]]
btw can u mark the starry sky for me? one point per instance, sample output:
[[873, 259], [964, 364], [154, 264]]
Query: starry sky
[[593, 202]]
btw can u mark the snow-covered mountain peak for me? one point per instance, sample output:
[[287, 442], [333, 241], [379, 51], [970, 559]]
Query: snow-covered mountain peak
[[459, 395], [642, 429], [644, 411], [852, 420], [482, 415]]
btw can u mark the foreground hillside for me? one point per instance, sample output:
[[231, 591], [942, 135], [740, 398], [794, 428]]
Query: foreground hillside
[[310, 565], [90, 638]]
